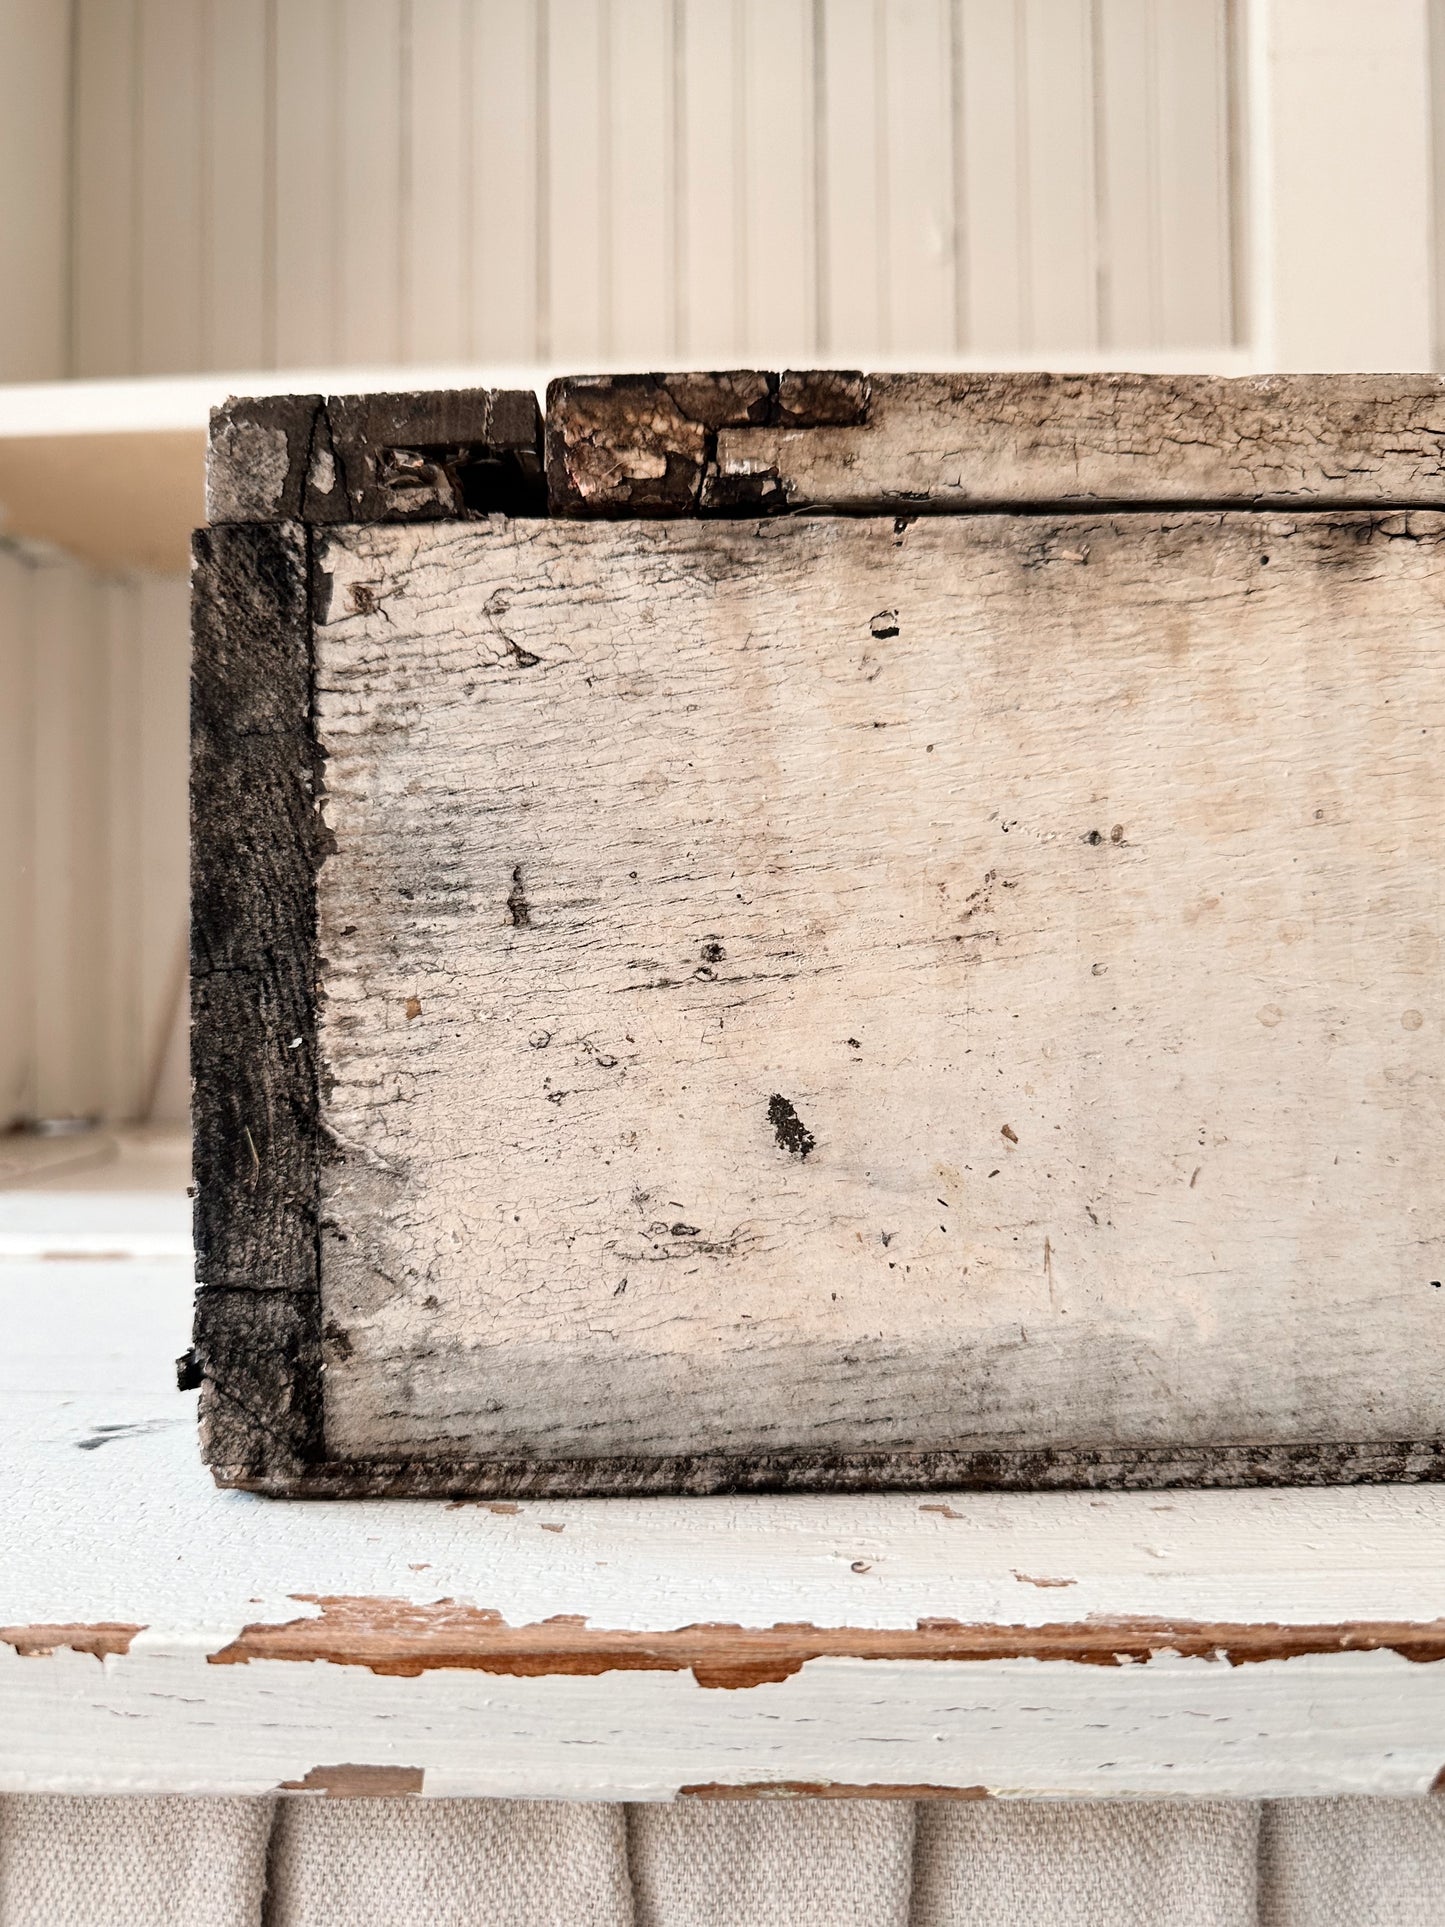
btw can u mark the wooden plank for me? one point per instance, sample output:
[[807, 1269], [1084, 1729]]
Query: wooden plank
[[507, 214], [35, 83], [939, 442], [70, 902], [774, 50], [579, 205], [371, 259], [641, 180], [1059, 243], [917, 1022], [918, 271], [238, 297], [437, 169], [103, 266], [1192, 127], [563, 1664], [161, 673], [713, 308], [995, 201], [307, 181], [17, 831], [254, 851], [118, 614], [852, 168], [170, 146]]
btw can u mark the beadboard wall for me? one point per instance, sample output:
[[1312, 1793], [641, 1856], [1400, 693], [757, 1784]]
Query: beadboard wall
[[265, 183], [92, 841]]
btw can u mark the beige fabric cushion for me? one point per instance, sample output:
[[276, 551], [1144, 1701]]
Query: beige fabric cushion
[[1077, 1863], [772, 1863], [448, 1863], [132, 1862], [1352, 1863]]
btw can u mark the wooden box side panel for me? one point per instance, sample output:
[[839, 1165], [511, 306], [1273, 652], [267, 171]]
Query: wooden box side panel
[[756, 913], [254, 847]]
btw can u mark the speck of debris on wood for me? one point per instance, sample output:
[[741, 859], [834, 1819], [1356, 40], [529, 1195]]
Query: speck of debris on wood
[[1008, 1131], [792, 1134], [518, 908], [884, 625], [413, 1009]]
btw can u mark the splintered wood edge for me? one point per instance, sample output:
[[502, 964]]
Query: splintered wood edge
[[256, 841]]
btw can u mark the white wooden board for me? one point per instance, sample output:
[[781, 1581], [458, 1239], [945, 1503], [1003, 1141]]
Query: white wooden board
[[848, 986], [157, 1635]]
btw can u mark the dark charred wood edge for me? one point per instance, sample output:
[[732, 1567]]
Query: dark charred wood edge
[[442, 455], [607, 434], [256, 842], [1414, 1461]]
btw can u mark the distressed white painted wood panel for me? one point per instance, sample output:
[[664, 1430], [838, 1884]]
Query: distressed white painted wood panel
[[641, 213], [844, 985], [129, 1574], [713, 134]]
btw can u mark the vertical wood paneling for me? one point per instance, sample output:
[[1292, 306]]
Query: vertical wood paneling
[[71, 884], [437, 170], [712, 295], [779, 242], [160, 664], [235, 210], [105, 268], [124, 1001], [1062, 256], [917, 274], [17, 829], [370, 181], [639, 318], [169, 151], [578, 170], [368, 201], [995, 235], [1192, 165], [307, 181], [853, 176], [503, 212], [34, 188]]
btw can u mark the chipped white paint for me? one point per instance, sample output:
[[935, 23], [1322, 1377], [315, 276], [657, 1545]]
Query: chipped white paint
[[131, 1533], [826, 984]]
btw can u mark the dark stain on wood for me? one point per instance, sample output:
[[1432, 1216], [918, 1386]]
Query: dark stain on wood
[[399, 1639], [792, 1134]]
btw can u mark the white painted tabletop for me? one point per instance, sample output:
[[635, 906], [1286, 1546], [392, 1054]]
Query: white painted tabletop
[[158, 1635]]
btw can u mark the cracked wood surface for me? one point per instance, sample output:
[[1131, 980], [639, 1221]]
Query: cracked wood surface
[[824, 986], [948, 442]]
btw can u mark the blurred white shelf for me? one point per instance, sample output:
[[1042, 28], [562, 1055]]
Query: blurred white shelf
[[158, 1635]]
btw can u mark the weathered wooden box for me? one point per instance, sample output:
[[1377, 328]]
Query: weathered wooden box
[[810, 933]]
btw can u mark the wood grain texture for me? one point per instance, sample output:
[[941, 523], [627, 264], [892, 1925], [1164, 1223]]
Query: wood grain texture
[[255, 843], [820, 993], [950, 442]]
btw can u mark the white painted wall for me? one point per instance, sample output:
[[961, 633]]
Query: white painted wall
[[274, 183], [92, 841]]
